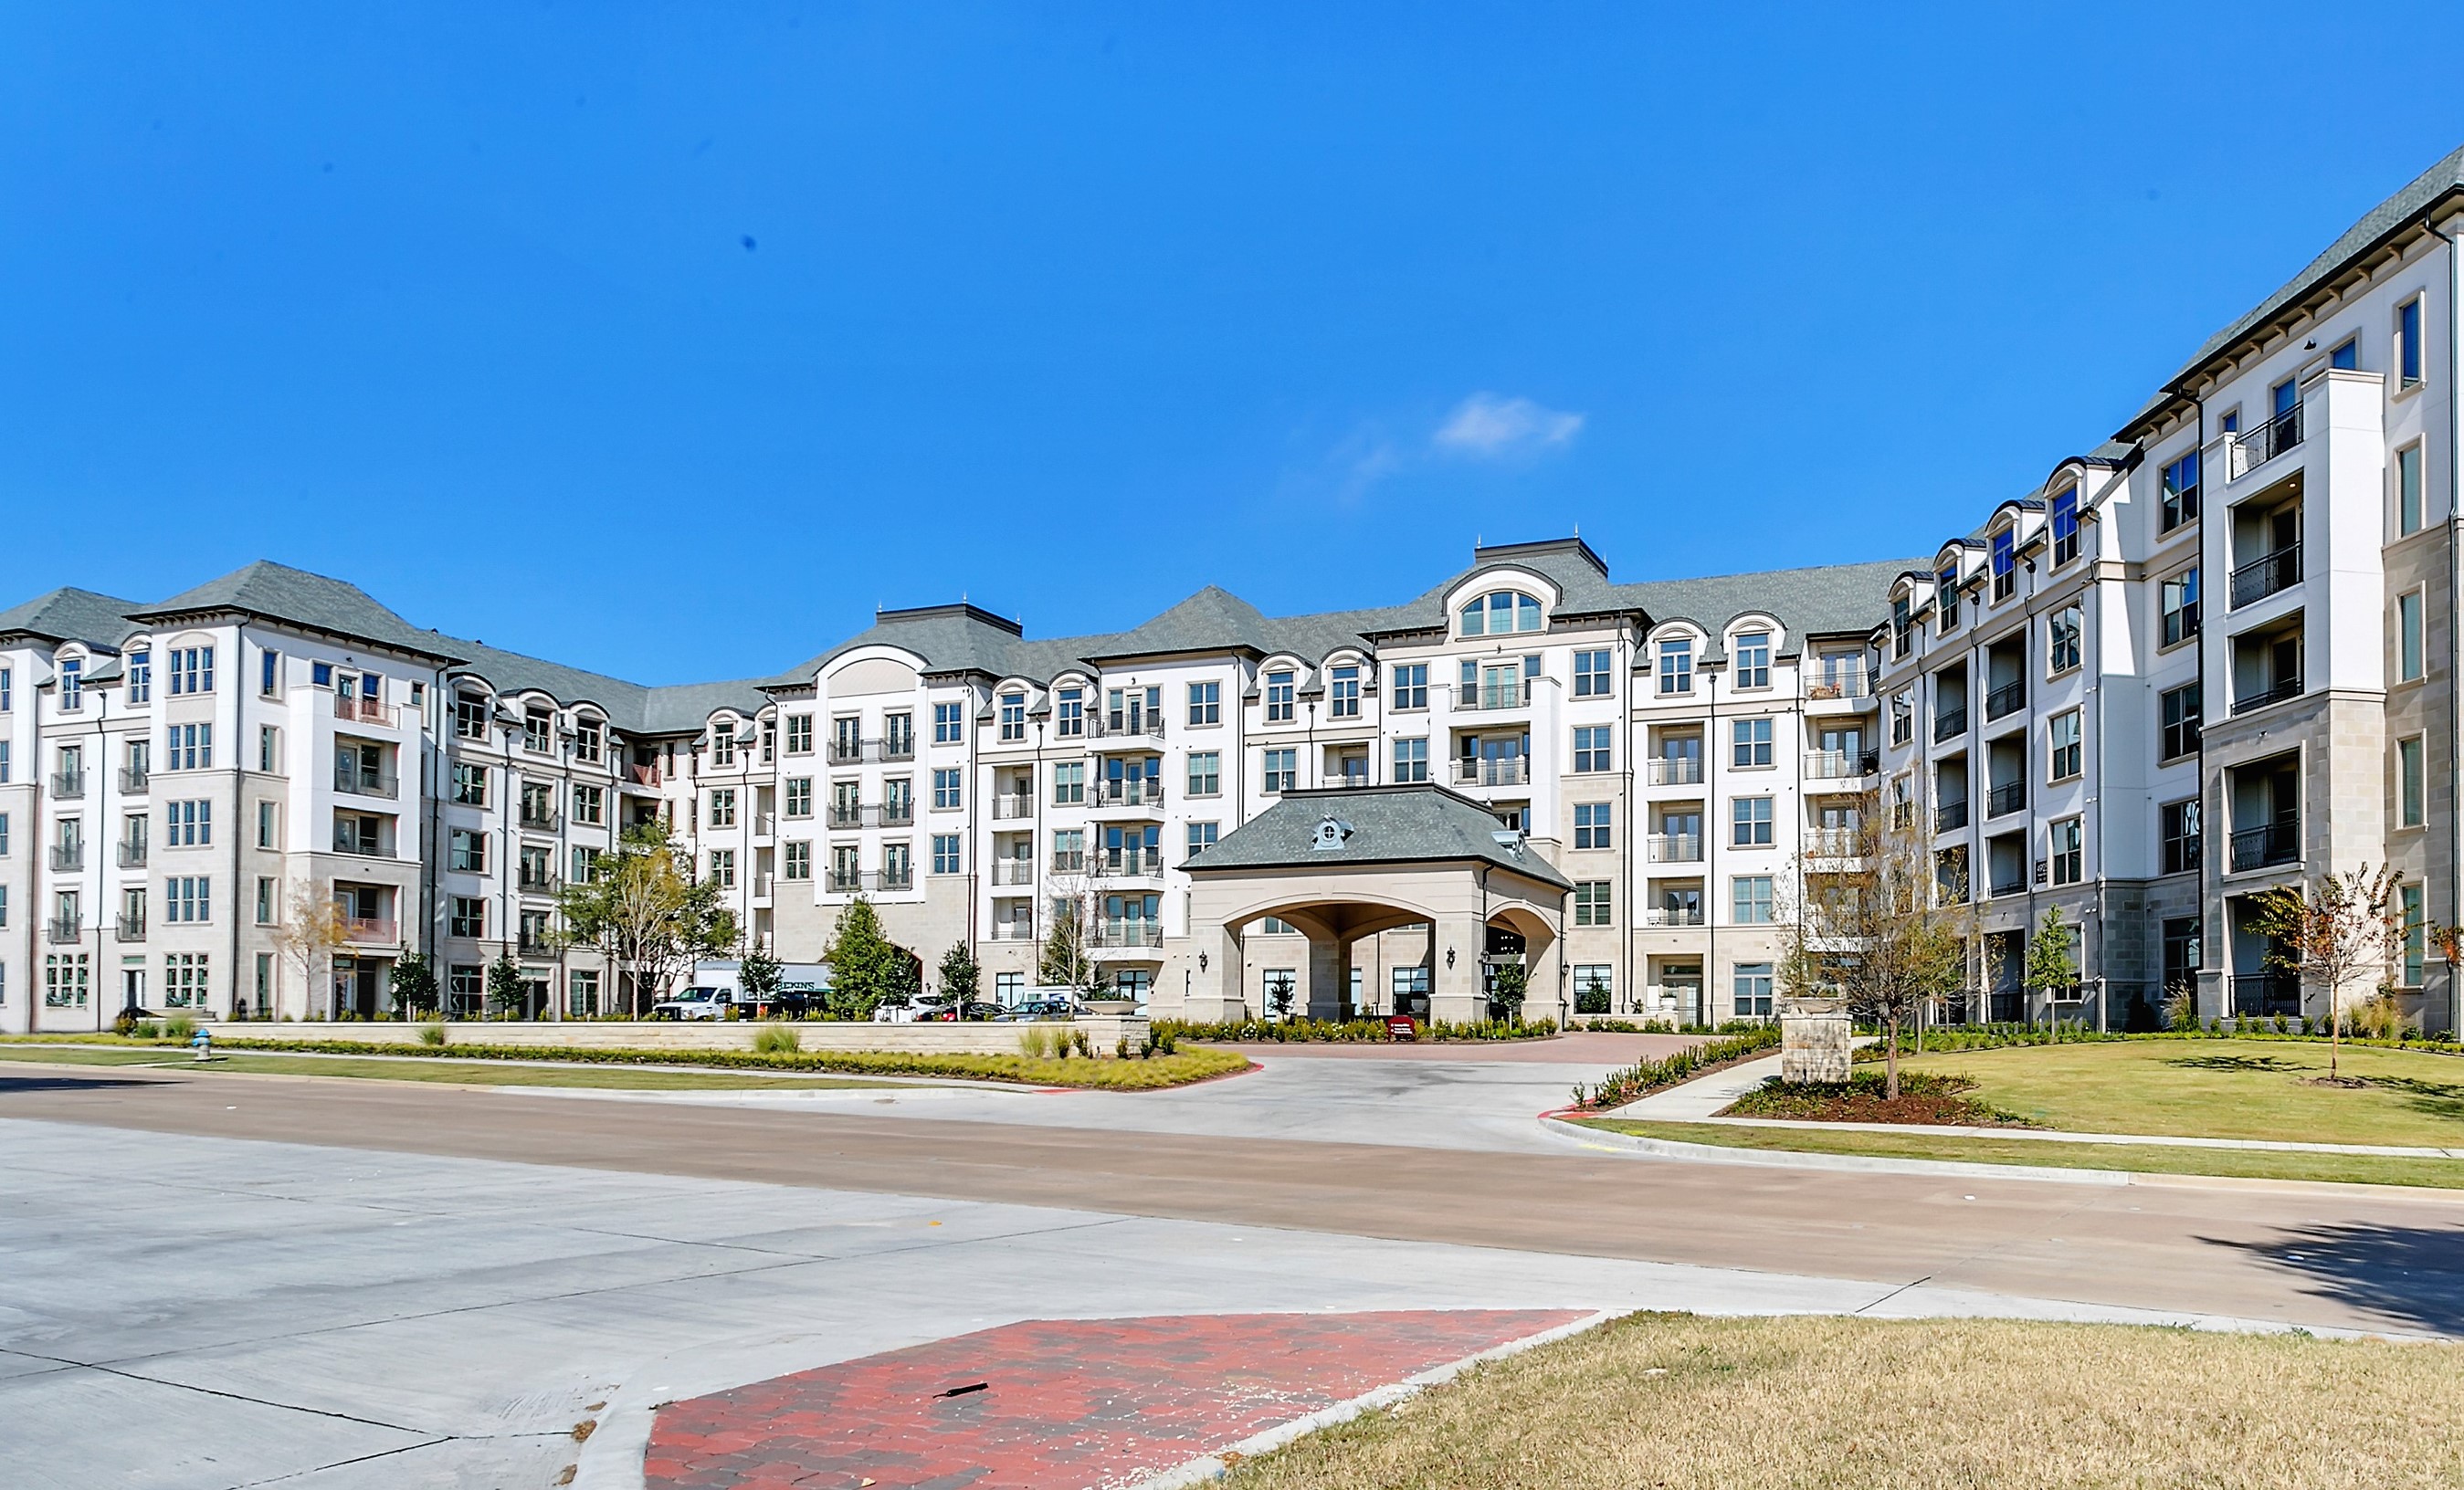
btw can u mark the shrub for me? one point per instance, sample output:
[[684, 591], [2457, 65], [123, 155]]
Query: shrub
[[1620, 1087], [179, 1027], [431, 1032], [146, 1029], [778, 1037], [1035, 1044]]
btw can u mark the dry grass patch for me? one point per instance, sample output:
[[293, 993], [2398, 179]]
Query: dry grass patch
[[1826, 1404]]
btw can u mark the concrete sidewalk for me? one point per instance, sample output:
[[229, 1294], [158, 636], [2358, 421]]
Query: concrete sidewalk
[[1696, 1099]]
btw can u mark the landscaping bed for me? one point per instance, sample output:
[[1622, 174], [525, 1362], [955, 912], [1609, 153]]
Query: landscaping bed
[[1340, 1031], [1798, 1403], [1928, 1098], [1645, 1077], [441, 1071]]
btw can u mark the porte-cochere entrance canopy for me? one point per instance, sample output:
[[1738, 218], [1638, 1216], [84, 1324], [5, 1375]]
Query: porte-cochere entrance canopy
[[1344, 864]]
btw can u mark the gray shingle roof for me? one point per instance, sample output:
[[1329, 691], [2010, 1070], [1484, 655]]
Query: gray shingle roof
[[2375, 227], [70, 615], [278, 592], [1390, 824]]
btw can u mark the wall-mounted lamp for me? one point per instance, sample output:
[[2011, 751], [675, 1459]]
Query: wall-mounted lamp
[[1450, 956], [1201, 962]]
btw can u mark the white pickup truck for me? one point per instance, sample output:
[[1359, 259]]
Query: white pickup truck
[[694, 1003]]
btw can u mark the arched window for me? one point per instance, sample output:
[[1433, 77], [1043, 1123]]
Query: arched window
[[1500, 613]]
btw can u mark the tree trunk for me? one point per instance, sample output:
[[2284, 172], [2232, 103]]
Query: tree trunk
[[1891, 1063]]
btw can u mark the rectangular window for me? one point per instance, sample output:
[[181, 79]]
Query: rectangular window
[[1205, 773], [587, 739], [2005, 565], [723, 808], [269, 749], [265, 901], [799, 734], [589, 804], [1412, 686], [322, 675], [1011, 718], [800, 796], [2181, 720], [188, 824], [1592, 825], [268, 827], [1749, 742], [2408, 343], [2178, 502], [2347, 355], [796, 859], [1279, 697], [4, 835], [2408, 635], [1206, 703], [947, 722], [2415, 930], [2179, 601], [2063, 737], [1201, 837], [2063, 639], [1592, 906], [184, 980], [1749, 898], [193, 671], [1343, 693], [471, 785], [2066, 527], [470, 717], [2181, 835], [269, 672], [466, 850], [1280, 771], [1902, 626], [8, 689], [1411, 760], [1591, 674], [722, 867], [467, 916], [1753, 660], [190, 747], [72, 676], [1903, 719], [1749, 822], [1676, 665], [2068, 860], [1750, 990], [186, 898], [140, 680], [2408, 490], [945, 853], [1946, 600], [2409, 778], [586, 864], [1591, 748], [1070, 783]]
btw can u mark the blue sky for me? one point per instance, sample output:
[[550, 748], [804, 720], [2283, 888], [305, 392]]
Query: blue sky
[[671, 341]]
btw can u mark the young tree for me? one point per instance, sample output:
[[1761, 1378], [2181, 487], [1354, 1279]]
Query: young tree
[[1593, 998], [414, 984], [646, 911], [311, 933], [2336, 930], [959, 975], [2047, 968], [758, 976], [1069, 957], [505, 986], [1508, 987], [867, 969], [1883, 926]]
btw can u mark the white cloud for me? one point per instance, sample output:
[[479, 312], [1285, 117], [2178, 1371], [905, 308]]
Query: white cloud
[[1485, 427]]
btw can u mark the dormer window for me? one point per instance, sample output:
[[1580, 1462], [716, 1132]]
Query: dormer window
[[1946, 598], [1343, 693], [140, 678], [1279, 696], [1012, 716], [1676, 665], [1753, 659], [586, 738], [1501, 613], [71, 684], [2066, 527], [470, 717], [1902, 624], [722, 743], [2006, 565]]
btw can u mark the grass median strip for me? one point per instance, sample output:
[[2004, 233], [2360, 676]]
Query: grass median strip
[[1796, 1403], [1153, 1073], [2052, 1153], [464, 1073]]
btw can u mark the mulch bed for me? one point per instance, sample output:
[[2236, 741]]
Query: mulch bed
[[1924, 1100]]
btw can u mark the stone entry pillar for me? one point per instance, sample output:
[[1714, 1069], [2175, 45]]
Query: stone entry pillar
[[1455, 991], [1330, 976], [1214, 992], [1815, 1039]]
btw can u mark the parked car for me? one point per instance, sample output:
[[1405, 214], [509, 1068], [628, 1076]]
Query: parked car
[[1041, 1009], [694, 1003]]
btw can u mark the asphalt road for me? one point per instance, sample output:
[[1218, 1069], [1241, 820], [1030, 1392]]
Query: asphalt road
[[2324, 1256]]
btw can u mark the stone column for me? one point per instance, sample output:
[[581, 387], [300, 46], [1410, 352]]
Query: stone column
[[1455, 991], [1330, 975], [1213, 989]]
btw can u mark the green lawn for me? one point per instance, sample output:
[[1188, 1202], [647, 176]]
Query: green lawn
[[2220, 1088], [450, 1072], [2144, 1158]]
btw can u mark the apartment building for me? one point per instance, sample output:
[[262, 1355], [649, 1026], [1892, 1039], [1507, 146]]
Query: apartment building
[[2210, 656], [2213, 655]]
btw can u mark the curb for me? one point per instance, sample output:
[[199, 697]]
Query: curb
[[1602, 1140], [1214, 1467]]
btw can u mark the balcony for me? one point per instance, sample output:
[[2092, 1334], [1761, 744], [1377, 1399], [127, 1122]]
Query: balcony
[[845, 815], [2263, 994], [846, 752], [894, 815], [1490, 697], [895, 879], [532, 946], [1673, 770], [2249, 451], [68, 858], [68, 785], [1068, 864], [1146, 863], [1835, 842], [381, 931], [897, 747], [1494, 771], [64, 931], [1013, 931], [2006, 798], [2274, 693], [1010, 808], [531, 883], [846, 883], [1951, 817], [765, 825], [366, 783], [1841, 682], [1129, 792], [132, 780], [130, 929], [1673, 916], [2009, 698], [1135, 725], [1674, 847], [2263, 847], [1949, 724], [2008, 886], [642, 775], [366, 710], [868, 880], [2262, 578], [1837, 765], [1013, 871], [132, 856], [1129, 933], [352, 844]]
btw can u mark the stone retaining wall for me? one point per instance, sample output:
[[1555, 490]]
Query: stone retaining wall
[[1103, 1034]]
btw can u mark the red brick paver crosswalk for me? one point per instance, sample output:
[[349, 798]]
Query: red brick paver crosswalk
[[1064, 1403]]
